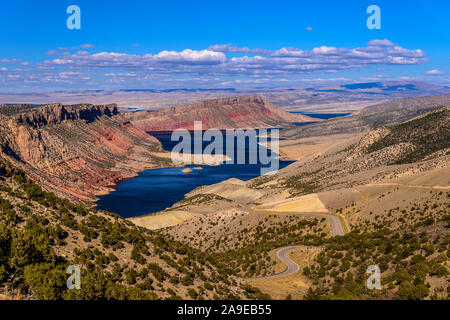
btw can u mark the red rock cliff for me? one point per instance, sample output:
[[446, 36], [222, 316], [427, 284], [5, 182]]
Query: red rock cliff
[[56, 113], [75, 151], [229, 113]]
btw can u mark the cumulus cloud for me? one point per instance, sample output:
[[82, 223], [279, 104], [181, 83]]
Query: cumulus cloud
[[434, 72], [382, 43], [147, 61], [225, 61], [69, 74], [190, 56], [234, 49], [120, 74], [255, 61]]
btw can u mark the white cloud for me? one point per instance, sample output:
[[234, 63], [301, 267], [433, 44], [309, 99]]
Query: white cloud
[[69, 74], [325, 50], [215, 62], [235, 49], [309, 29], [191, 56], [289, 52], [120, 74], [380, 43], [434, 72]]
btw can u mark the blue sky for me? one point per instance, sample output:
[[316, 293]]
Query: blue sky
[[173, 44]]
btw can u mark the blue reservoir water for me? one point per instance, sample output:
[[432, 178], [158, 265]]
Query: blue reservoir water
[[322, 115], [157, 189]]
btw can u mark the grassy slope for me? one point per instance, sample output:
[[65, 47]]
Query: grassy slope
[[41, 235], [427, 134]]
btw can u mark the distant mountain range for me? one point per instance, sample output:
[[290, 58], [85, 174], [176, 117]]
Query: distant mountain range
[[342, 97]]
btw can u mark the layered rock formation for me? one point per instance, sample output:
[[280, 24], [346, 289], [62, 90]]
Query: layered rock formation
[[56, 113], [229, 113], [76, 151]]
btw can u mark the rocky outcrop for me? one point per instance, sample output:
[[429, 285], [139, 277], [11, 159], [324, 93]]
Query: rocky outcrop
[[76, 151], [229, 113], [56, 113]]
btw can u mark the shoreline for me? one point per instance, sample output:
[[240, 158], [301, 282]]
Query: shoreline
[[167, 155]]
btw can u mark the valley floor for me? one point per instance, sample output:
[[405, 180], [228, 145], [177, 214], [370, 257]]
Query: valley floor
[[331, 186]]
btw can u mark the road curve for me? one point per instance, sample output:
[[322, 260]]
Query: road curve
[[292, 267], [337, 229]]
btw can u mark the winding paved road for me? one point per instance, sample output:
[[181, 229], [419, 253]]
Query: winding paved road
[[337, 228], [292, 267]]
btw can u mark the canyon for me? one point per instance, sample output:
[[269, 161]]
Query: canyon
[[82, 151], [77, 151], [367, 189]]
